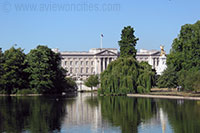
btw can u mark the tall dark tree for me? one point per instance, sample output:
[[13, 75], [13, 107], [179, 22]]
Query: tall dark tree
[[184, 59], [45, 72], [126, 74], [13, 77], [185, 51], [128, 42], [1, 69]]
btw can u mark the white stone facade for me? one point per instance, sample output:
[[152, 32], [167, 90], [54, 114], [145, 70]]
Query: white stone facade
[[84, 64], [162, 64], [80, 65], [154, 58]]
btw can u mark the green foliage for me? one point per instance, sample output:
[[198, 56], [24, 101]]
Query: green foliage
[[185, 52], [189, 80], [184, 59], [45, 73], [13, 77], [146, 78], [1, 69], [92, 81], [37, 72], [25, 91], [169, 78], [126, 75], [70, 85], [128, 42]]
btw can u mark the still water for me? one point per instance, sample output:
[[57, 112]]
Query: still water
[[87, 113]]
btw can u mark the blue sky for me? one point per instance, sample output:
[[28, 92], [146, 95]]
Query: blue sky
[[73, 25]]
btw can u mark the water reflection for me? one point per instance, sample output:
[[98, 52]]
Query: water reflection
[[126, 112], [84, 115], [183, 115], [31, 114], [89, 113]]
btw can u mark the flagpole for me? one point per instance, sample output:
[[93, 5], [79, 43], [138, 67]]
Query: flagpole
[[101, 40]]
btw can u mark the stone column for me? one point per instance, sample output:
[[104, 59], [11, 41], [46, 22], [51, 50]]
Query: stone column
[[103, 64], [108, 61], [155, 62], [99, 65], [95, 65], [150, 61]]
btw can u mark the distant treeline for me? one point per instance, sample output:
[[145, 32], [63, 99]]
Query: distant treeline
[[38, 72]]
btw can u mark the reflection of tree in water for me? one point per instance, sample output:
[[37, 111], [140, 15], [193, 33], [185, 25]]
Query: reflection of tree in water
[[126, 112], [183, 116], [34, 114], [92, 101]]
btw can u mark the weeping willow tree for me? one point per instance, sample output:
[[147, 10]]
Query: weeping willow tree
[[126, 74]]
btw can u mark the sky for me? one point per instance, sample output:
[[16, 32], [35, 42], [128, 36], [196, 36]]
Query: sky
[[76, 25]]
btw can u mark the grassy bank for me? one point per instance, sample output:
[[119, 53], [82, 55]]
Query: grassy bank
[[173, 92], [166, 93]]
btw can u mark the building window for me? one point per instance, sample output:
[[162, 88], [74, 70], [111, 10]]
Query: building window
[[81, 70], [81, 62], [71, 62], [92, 62], [86, 62], [92, 70], [76, 63], [65, 63], [87, 69]]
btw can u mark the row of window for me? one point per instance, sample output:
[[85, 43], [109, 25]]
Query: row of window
[[81, 70], [78, 63]]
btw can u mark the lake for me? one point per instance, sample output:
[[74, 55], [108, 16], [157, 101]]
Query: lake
[[88, 113]]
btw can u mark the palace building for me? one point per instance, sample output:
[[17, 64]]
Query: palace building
[[81, 64]]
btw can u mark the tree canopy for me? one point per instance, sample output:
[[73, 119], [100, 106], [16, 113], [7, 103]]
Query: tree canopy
[[45, 73], [92, 81], [37, 72], [184, 59], [1, 69], [12, 68], [126, 74], [128, 42], [185, 51]]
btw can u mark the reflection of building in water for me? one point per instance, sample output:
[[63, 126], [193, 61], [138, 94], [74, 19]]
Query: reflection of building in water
[[180, 101], [161, 119], [81, 113]]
